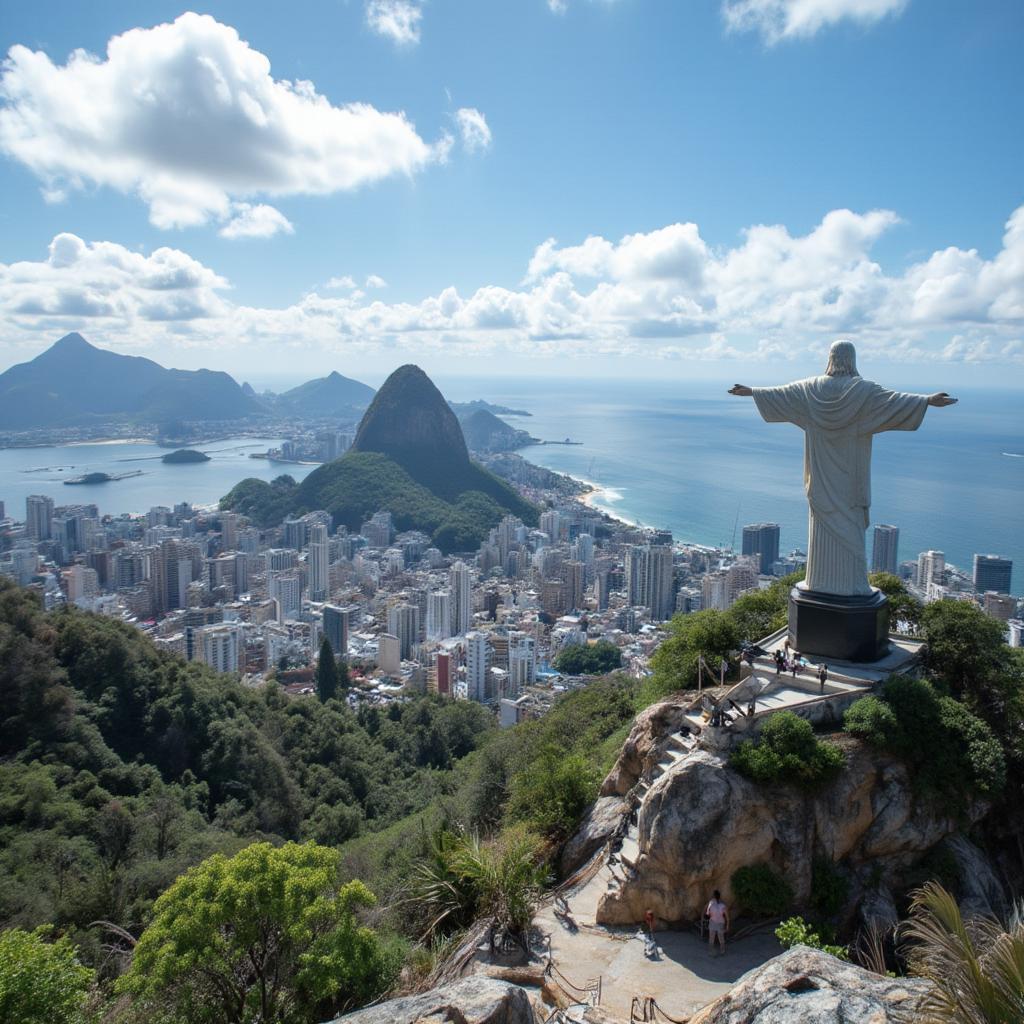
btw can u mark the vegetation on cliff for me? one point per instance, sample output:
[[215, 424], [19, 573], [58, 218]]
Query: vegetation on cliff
[[410, 458]]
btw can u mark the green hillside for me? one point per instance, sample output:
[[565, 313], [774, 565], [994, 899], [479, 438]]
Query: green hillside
[[355, 486]]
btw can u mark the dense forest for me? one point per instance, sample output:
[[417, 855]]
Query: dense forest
[[122, 766], [131, 781]]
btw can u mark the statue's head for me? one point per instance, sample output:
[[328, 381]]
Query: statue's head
[[842, 360]]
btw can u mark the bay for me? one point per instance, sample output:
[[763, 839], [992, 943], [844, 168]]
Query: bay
[[702, 463], [25, 471]]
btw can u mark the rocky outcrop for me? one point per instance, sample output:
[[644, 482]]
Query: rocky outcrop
[[980, 892], [651, 728], [600, 823], [701, 821], [409, 420], [806, 986], [474, 1000]]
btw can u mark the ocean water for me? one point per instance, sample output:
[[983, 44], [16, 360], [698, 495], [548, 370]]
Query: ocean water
[[25, 471], [702, 463], [683, 456]]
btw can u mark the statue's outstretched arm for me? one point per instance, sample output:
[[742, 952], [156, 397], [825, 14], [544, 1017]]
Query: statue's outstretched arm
[[745, 392], [941, 398]]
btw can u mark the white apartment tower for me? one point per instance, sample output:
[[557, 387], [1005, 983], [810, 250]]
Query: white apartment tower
[[478, 665], [930, 567], [319, 563], [439, 615], [522, 662]]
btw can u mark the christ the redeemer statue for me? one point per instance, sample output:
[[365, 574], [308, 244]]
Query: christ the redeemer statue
[[839, 414]]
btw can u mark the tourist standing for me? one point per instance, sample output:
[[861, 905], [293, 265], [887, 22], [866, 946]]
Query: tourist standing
[[823, 677], [717, 914]]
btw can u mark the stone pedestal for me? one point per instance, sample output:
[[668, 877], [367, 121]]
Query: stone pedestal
[[839, 628]]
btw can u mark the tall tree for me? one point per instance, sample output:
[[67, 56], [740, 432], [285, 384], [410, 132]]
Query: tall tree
[[271, 934], [326, 673]]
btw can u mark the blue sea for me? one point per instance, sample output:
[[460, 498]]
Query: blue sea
[[685, 456], [702, 463]]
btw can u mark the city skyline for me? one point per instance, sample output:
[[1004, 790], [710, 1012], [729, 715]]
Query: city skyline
[[714, 184]]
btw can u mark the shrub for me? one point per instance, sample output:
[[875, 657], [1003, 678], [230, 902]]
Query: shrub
[[797, 932], [949, 750], [873, 720], [551, 794], [829, 887], [788, 752], [41, 982], [762, 891]]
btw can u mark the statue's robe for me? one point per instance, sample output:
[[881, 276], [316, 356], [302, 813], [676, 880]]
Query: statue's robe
[[839, 416]]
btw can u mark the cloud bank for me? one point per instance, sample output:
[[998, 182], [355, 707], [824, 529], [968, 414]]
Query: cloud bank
[[664, 293]]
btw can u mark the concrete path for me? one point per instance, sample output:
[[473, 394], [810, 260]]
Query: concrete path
[[682, 977]]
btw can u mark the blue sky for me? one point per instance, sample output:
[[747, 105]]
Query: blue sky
[[636, 187]]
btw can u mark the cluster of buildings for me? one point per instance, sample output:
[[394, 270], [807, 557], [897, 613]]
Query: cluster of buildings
[[931, 578], [487, 625]]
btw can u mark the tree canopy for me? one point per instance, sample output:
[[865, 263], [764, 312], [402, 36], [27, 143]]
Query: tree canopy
[[588, 659], [270, 934]]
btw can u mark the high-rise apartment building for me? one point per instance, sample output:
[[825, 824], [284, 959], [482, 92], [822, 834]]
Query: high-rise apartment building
[[992, 573], [439, 615], [762, 539], [39, 517], [551, 524], [715, 591], [228, 531], [649, 582], [574, 575], [286, 589], [337, 623], [885, 549], [219, 647], [478, 665], [83, 584], [389, 659], [319, 563], [931, 566], [522, 662], [404, 622], [460, 596]]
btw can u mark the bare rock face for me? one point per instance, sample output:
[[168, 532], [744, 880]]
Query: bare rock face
[[474, 1000], [597, 827], [650, 729], [806, 986], [702, 821]]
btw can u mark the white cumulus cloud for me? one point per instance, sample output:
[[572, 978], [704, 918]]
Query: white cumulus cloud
[[188, 116], [376, 281], [663, 293], [256, 221], [473, 127], [776, 20], [398, 20]]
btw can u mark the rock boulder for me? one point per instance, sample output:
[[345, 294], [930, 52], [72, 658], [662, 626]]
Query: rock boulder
[[474, 1000], [806, 986]]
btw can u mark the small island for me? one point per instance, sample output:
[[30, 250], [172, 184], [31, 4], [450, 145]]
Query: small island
[[185, 455]]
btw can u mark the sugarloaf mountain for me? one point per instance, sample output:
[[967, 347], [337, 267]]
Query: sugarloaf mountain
[[410, 459]]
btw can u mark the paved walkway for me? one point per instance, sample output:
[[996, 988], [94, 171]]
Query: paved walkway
[[682, 977]]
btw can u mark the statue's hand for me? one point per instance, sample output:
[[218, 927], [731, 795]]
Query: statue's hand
[[743, 391], [940, 399]]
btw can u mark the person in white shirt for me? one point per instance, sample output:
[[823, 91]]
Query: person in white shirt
[[717, 914]]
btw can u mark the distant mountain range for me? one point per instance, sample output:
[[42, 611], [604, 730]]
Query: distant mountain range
[[75, 383], [409, 457]]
